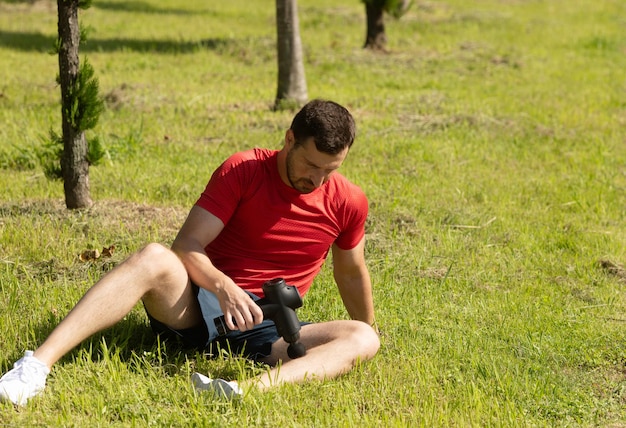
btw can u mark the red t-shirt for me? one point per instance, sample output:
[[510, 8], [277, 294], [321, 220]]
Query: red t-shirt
[[273, 231]]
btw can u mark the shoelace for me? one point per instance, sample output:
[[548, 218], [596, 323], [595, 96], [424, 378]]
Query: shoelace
[[27, 372]]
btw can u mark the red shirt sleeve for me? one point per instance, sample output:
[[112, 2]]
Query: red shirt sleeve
[[354, 214], [224, 190]]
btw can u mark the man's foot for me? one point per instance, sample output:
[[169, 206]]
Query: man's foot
[[219, 387], [25, 380]]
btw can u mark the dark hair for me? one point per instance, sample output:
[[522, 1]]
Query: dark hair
[[331, 126]]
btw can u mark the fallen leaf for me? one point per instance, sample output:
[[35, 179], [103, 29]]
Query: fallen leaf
[[89, 255], [108, 251]]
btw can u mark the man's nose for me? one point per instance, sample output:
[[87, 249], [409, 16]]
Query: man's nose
[[318, 179]]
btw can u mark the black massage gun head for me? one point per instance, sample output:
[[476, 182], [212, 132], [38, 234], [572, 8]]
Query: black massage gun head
[[277, 291]]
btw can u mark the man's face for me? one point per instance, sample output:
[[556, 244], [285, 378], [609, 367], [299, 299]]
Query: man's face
[[308, 168]]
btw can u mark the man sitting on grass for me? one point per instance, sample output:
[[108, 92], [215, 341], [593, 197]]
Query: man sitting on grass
[[264, 214]]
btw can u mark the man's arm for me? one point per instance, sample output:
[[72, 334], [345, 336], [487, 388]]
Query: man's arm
[[200, 228], [353, 281]]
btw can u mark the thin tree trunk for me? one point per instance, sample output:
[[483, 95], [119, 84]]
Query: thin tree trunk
[[74, 164], [291, 78], [375, 37]]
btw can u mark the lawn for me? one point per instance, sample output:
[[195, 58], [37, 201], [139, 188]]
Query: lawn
[[491, 142]]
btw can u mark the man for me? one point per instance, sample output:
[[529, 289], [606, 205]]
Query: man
[[264, 214]]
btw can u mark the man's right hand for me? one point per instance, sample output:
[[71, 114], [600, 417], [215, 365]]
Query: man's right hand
[[240, 311]]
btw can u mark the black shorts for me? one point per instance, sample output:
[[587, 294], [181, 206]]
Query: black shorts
[[189, 338], [254, 344]]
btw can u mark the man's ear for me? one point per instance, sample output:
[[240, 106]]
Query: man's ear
[[290, 139]]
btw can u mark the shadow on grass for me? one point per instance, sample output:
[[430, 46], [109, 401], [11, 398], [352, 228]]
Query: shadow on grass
[[127, 339], [129, 6], [143, 7], [29, 41], [26, 41]]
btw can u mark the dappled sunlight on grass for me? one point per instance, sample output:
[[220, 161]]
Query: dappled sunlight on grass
[[490, 143]]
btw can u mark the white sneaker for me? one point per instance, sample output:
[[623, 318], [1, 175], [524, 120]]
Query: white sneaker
[[25, 380], [219, 387]]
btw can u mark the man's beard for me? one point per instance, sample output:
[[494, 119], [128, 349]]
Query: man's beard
[[302, 185]]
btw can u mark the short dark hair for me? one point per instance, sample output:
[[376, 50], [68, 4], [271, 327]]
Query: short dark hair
[[330, 124]]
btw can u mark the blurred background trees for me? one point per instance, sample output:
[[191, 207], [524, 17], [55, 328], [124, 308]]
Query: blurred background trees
[[375, 10], [292, 89]]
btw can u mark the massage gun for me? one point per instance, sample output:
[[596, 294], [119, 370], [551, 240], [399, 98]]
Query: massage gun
[[279, 305]]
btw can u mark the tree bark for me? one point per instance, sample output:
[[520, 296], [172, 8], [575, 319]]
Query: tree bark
[[292, 87], [375, 38], [74, 163]]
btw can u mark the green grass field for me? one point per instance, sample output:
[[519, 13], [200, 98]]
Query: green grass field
[[492, 146]]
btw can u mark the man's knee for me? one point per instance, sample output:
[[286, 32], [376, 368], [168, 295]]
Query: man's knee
[[364, 338], [154, 249], [158, 262], [357, 336]]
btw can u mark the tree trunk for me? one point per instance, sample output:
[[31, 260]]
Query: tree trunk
[[291, 79], [375, 37], [74, 164]]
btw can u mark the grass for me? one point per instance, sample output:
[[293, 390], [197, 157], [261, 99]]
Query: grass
[[491, 145]]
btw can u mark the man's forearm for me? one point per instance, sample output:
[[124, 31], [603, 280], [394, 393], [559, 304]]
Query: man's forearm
[[356, 294], [199, 267]]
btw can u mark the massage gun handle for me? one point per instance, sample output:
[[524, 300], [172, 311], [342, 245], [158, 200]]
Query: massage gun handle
[[285, 318], [287, 324]]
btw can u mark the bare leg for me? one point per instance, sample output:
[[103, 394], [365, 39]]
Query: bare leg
[[333, 348], [154, 274]]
